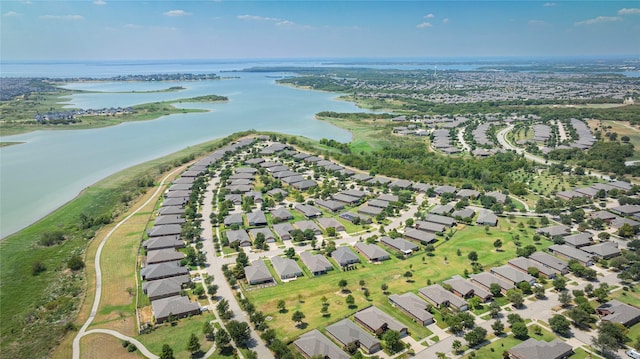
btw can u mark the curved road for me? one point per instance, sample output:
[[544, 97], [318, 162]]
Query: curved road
[[96, 301]]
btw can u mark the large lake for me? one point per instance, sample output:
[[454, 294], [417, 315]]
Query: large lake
[[52, 167]]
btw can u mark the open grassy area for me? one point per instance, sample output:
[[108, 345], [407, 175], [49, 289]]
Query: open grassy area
[[495, 349], [37, 309], [444, 264], [367, 135], [178, 336], [622, 128], [546, 184]]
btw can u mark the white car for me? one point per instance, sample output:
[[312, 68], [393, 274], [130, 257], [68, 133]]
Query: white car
[[632, 353]]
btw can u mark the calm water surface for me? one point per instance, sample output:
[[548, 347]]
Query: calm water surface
[[52, 167]]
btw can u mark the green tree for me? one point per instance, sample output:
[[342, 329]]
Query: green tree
[[476, 336], [342, 283], [350, 300], [498, 327], [579, 316], [384, 287], [497, 244], [239, 332], [559, 283], [610, 337], [297, 317], [223, 309], [473, 256], [242, 260], [222, 339], [194, 344], [391, 339], [560, 324], [495, 289], [519, 330], [515, 297], [282, 306], [564, 298], [456, 346], [167, 352], [207, 330], [75, 263]]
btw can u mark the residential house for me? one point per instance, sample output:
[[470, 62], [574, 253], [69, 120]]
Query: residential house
[[327, 223], [378, 322], [157, 243], [442, 209], [258, 273], [523, 264], [281, 214], [416, 308], [435, 218], [578, 240], [171, 210], [286, 268], [467, 193], [441, 298], [176, 306], [308, 210], [163, 288], [345, 256], [430, 226], [539, 349], [399, 244], [552, 231], [304, 225], [485, 280], [331, 205], [317, 263], [164, 255], [569, 252], [256, 218], [240, 236], [233, 219], [304, 185], [550, 261], [346, 332], [371, 251], [500, 197], [315, 345], [283, 230], [340, 197], [466, 289], [604, 250], [512, 275], [487, 218], [268, 235], [616, 311], [463, 213], [167, 230], [168, 219], [162, 270], [369, 210], [420, 236], [445, 189]]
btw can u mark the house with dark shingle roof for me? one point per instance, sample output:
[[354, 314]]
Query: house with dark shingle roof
[[163, 288], [268, 235], [157, 243], [175, 306], [487, 218], [512, 275], [445, 189], [258, 273], [308, 210], [286, 268], [616, 311], [168, 219], [372, 252], [430, 226], [399, 244], [465, 289], [240, 236], [256, 218], [416, 308], [378, 322], [442, 209], [331, 205], [317, 263], [552, 231], [345, 256], [304, 225], [485, 279], [166, 230], [304, 185], [327, 223], [164, 255], [281, 214], [539, 349], [233, 218], [604, 250], [441, 298], [369, 210], [418, 235], [436, 218], [578, 240], [171, 210], [162, 270], [523, 264], [283, 230], [313, 345], [569, 252], [346, 332]]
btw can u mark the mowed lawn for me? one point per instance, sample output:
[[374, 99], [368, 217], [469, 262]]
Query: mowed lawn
[[305, 294], [178, 336], [495, 349]]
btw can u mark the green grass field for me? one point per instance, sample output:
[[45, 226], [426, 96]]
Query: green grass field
[[178, 336]]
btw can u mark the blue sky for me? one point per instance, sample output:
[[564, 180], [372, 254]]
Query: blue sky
[[112, 29]]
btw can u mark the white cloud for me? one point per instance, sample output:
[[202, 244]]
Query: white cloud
[[176, 13], [62, 17], [550, 4], [429, 16], [258, 18], [100, 2], [629, 11], [599, 20], [132, 26], [423, 25], [445, 20], [11, 14], [537, 22], [285, 23]]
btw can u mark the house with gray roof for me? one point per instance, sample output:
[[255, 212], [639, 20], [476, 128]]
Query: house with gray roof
[[258, 273], [387, 197], [166, 230], [345, 256], [164, 288], [239, 236], [286, 268], [168, 219], [463, 213], [341, 197], [626, 210], [441, 298], [416, 308], [421, 187], [372, 252], [177, 194], [361, 177], [164, 255], [315, 345], [157, 243], [346, 332], [240, 182], [238, 176], [523, 264], [369, 210], [487, 218], [621, 221], [327, 223], [420, 236], [604, 250], [618, 312], [606, 216], [539, 349], [236, 199], [256, 218], [354, 193], [467, 193], [281, 214], [378, 322], [241, 188], [378, 203], [465, 289], [550, 261], [304, 185], [578, 240], [331, 205], [163, 270], [403, 184], [442, 209], [445, 189], [552, 231], [317, 263], [377, 180], [621, 185], [512, 275], [268, 235], [233, 219], [304, 225], [307, 210], [500, 197], [178, 201], [283, 230], [275, 191], [569, 252], [399, 244], [436, 218], [485, 280], [430, 226], [171, 210], [175, 306]]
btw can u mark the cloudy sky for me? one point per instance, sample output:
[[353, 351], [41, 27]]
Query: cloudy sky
[[113, 29]]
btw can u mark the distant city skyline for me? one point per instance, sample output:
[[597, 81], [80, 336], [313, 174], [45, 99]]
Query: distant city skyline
[[119, 30]]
